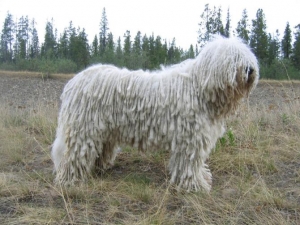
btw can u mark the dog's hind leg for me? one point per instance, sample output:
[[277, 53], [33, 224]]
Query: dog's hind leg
[[78, 160], [106, 158]]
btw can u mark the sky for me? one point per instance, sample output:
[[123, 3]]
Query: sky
[[166, 18]]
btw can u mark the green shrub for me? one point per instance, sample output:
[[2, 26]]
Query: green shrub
[[279, 70]]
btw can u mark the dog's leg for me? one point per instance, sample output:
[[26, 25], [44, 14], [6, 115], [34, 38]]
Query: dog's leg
[[78, 160], [188, 171], [105, 160], [58, 149]]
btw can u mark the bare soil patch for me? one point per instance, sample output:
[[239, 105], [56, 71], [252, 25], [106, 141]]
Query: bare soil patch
[[22, 91]]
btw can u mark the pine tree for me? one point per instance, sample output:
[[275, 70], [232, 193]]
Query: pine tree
[[286, 43], [242, 29], [296, 48], [109, 54], [227, 26], [196, 50], [22, 34], [145, 52], [71, 30], [259, 37], [84, 53], [34, 45], [137, 51], [190, 53], [127, 49], [164, 55], [49, 45], [174, 53], [79, 48], [152, 56], [95, 47], [72, 48], [137, 47], [159, 56], [205, 29], [7, 38], [73, 44], [178, 55], [219, 28], [210, 24], [145, 44], [274, 47], [119, 54], [63, 45], [103, 33]]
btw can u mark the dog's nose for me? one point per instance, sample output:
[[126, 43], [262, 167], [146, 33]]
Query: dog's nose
[[249, 71]]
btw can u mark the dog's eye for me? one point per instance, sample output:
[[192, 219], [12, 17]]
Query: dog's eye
[[249, 70]]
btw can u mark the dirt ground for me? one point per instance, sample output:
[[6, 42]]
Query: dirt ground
[[23, 91], [276, 187]]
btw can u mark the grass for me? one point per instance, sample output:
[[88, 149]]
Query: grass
[[255, 167]]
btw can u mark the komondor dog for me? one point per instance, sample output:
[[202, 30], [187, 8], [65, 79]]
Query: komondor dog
[[181, 108]]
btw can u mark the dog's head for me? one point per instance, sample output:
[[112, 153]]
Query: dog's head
[[227, 61], [225, 71]]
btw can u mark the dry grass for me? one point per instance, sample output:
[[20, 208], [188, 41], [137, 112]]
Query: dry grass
[[35, 74], [255, 167]]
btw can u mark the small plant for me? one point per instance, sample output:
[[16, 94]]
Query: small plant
[[223, 141], [231, 138], [228, 140], [285, 118]]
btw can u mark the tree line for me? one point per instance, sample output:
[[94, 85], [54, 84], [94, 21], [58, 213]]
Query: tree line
[[20, 48], [279, 58], [70, 51]]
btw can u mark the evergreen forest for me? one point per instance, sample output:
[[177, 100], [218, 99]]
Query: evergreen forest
[[72, 51]]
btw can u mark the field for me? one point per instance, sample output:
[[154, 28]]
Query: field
[[255, 166]]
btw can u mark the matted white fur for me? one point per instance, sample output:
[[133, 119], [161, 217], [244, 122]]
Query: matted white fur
[[181, 108]]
